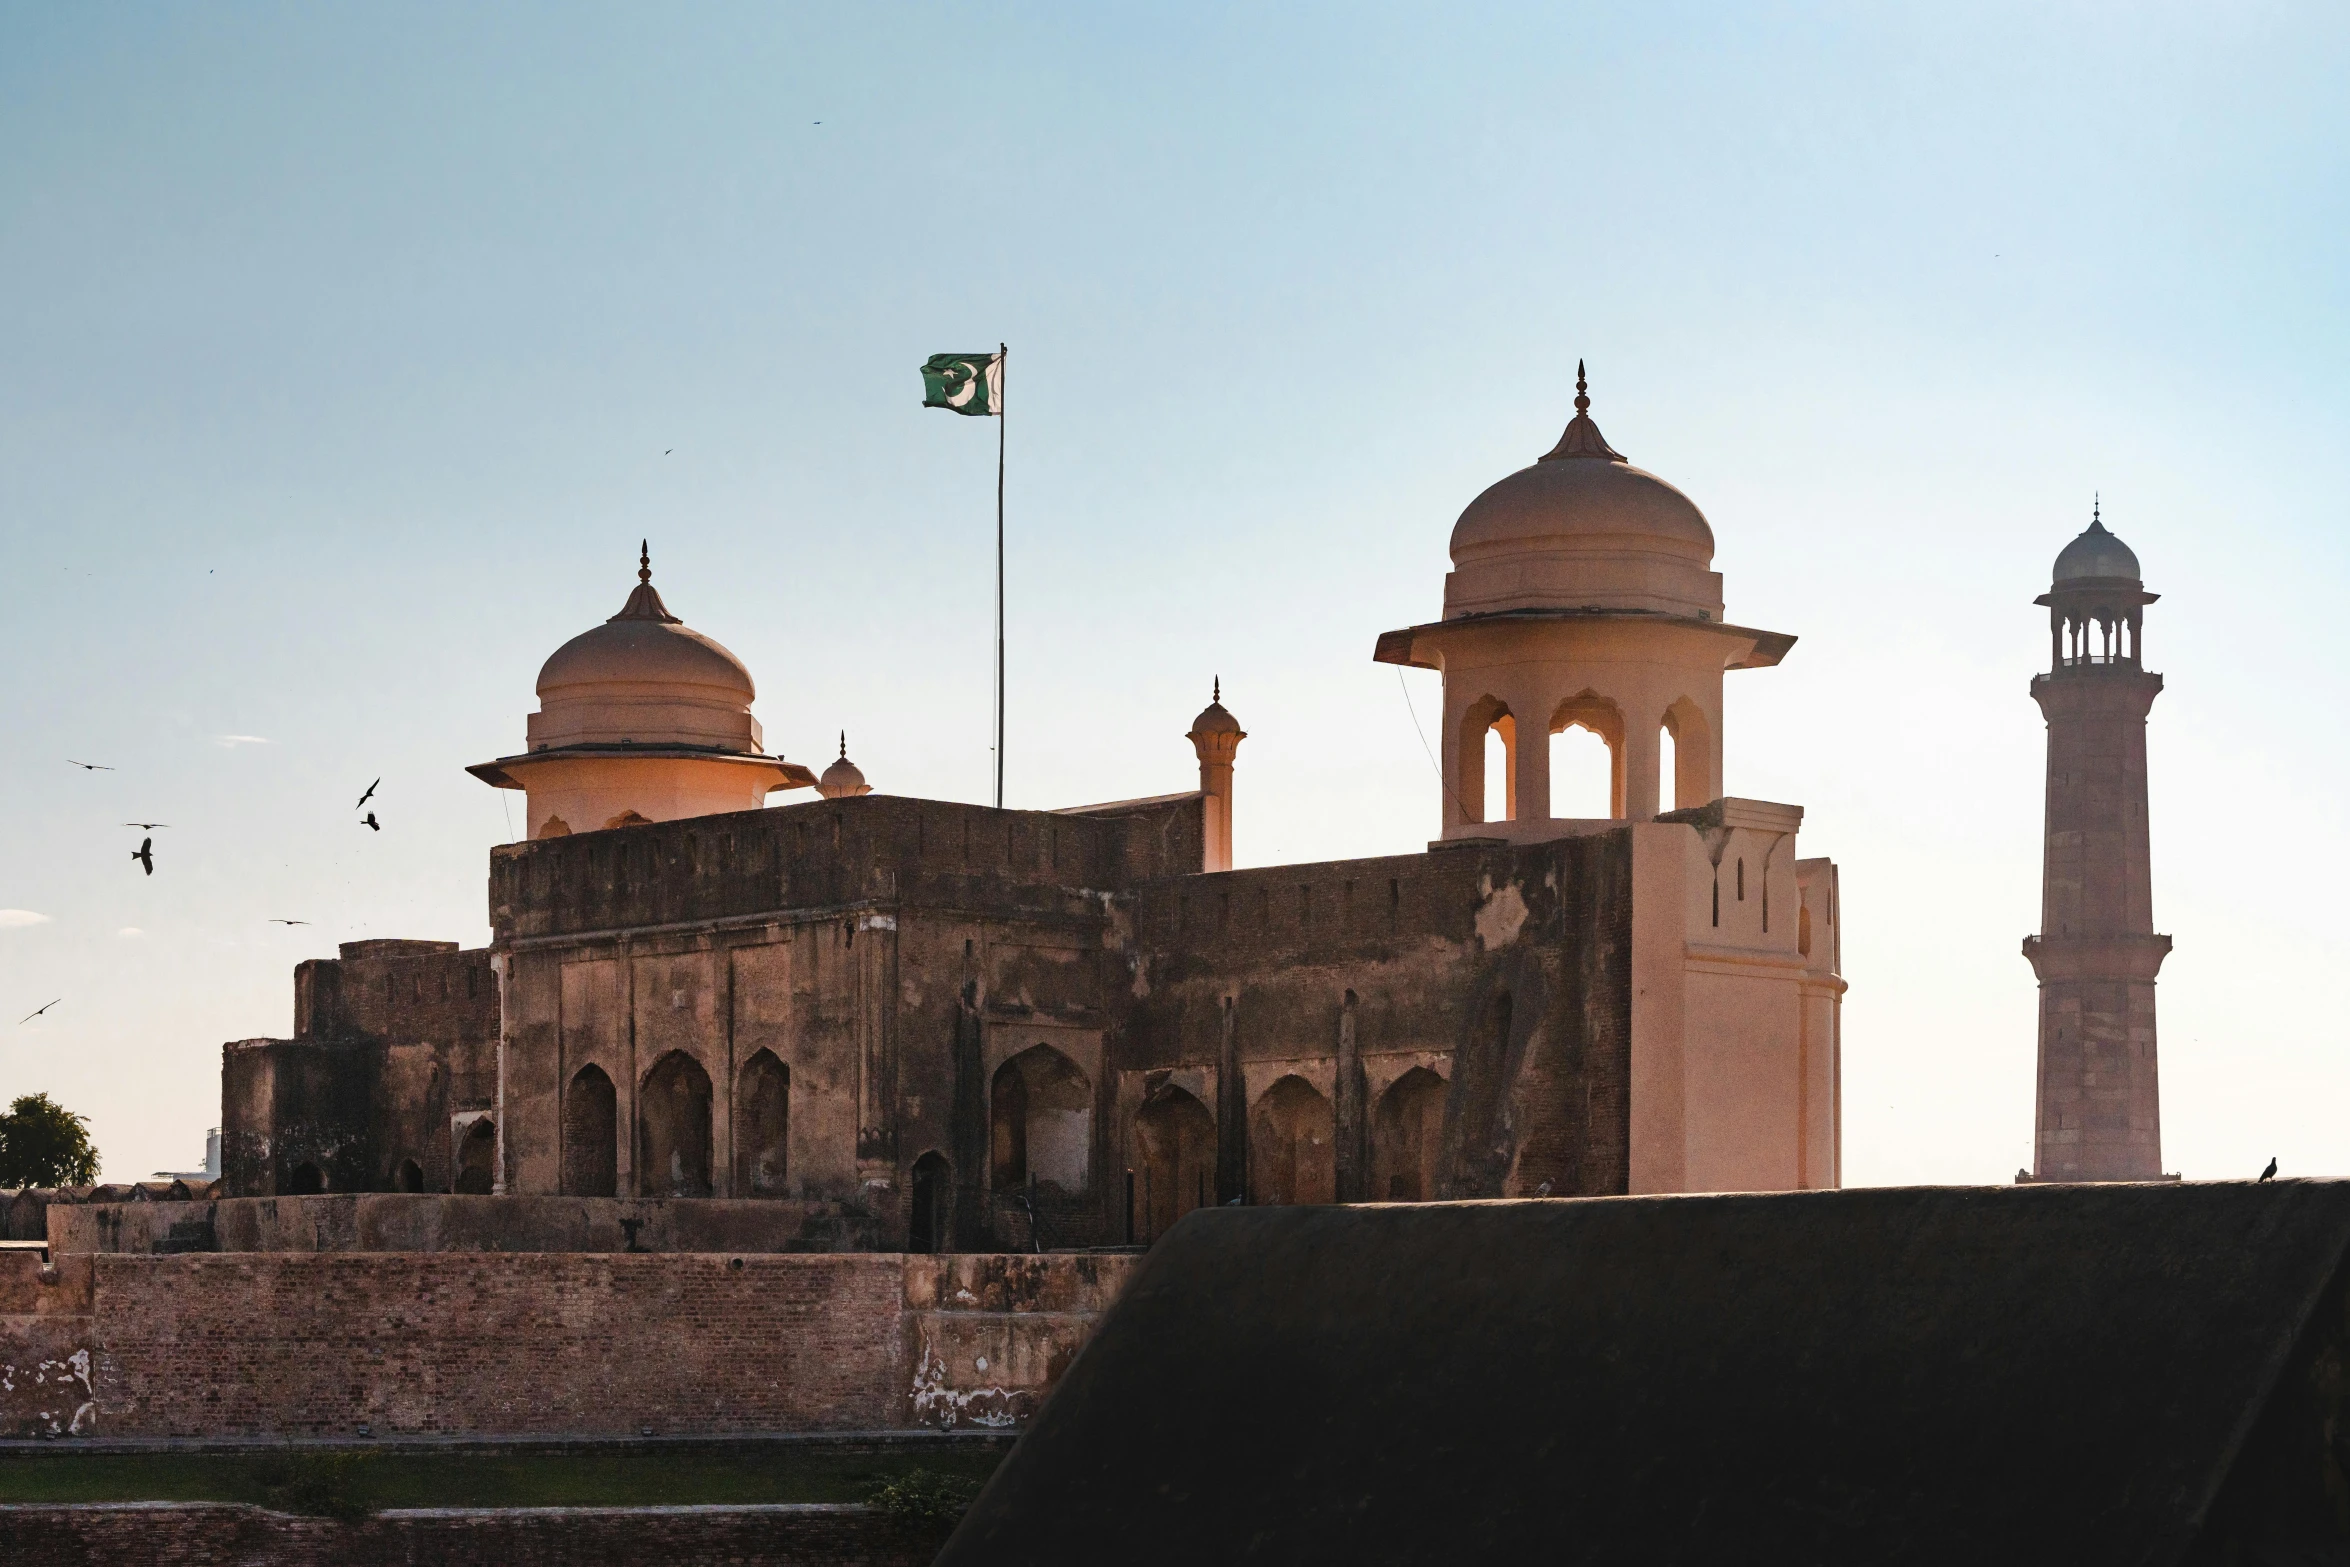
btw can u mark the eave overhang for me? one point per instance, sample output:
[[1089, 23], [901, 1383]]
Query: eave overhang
[[1769, 647], [506, 771]]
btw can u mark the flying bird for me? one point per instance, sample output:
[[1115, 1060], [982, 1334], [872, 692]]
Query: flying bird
[[368, 821], [95, 767], [145, 854], [150, 826], [288, 922], [2270, 1173], [369, 795], [29, 1016], [671, 449]]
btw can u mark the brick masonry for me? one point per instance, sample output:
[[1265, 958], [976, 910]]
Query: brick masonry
[[291, 1344], [214, 1535]]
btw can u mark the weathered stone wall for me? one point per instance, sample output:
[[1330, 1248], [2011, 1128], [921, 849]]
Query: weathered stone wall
[[174, 1534], [294, 1344], [395, 1045], [392, 1221], [1504, 972]]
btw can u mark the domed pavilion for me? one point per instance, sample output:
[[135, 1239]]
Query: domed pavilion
[[1582, 595], [641, 719]]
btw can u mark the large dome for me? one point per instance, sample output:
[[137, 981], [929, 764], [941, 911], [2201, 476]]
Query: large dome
[[2096, 553], [1583, 528], [644, 677]]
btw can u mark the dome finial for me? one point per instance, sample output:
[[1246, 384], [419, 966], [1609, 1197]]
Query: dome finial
[[2096, 509], [1216, 692], [644, 601], [842, 780], [1582, 437]]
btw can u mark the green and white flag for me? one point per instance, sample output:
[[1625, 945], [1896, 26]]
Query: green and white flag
[[967, 383]]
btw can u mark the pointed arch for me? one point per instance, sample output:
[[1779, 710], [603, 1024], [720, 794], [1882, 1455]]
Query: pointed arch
[[1488, 714], [477, 1157], [762, 1127], [1293, 1153], [1596, 715], [933, 1203], [1405, 1133], [673, 1129], [1040, 1118], [591, 1135], [1175, 1152], [1690, 782]]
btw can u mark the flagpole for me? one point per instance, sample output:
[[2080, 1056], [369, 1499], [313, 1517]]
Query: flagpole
[[1003, 359]]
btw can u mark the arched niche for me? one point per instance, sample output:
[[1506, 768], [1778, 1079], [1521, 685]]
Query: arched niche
[[673, 1129], [1292, 1147], [931, 1209], [477, 1158], [1040, 1122], [762, 1100], [1175, 1159], [1405, 1132], [591, 1135]]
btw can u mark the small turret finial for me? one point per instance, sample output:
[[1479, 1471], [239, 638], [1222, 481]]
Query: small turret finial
[[644, 560], [844, 745], [1219, 690], [1582, 390], [2096, 509]]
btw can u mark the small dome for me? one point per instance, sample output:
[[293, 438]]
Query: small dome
[[1213, 719], [842, 780], [2096, 553], [646, 678], [1583, 528]]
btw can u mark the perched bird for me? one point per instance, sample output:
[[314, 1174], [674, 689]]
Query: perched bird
[[95, 767], [369, 795], [150, 826], [288, 922], [369, 822], [2270, 1173], [1543, 1190], [145, 854], [29, 1016]]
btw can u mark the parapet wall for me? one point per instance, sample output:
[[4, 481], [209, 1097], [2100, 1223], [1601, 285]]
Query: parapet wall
[[438, 1221], [830, 854], [280, 1344]]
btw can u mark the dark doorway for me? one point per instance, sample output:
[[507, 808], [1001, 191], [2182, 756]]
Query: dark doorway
[[591, 1135], [1175, 1139], [926, 1228], [307, 1180], [762, 1098], [477, 1157], [673, 1115], [409, 1177]]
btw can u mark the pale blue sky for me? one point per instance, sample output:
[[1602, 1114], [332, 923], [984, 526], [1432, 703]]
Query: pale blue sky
[[339, 349]]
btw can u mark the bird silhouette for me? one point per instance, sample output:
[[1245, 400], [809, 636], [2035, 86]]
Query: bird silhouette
[[150, 826], [29, 1016], [2270, 1173], [95, 767], [369, 795], [288, 922], [671, 449], [145, 854], [370, 823]]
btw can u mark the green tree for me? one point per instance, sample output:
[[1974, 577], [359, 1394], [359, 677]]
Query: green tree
[[42, 1143]]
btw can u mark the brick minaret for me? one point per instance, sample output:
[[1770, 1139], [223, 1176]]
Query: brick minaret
[[2099, 1112]]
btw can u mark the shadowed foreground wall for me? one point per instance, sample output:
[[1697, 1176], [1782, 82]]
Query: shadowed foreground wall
[[203, 1535], [292, 1344]]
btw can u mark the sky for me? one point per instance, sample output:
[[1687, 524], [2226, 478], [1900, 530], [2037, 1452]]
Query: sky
[[347, 353]]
